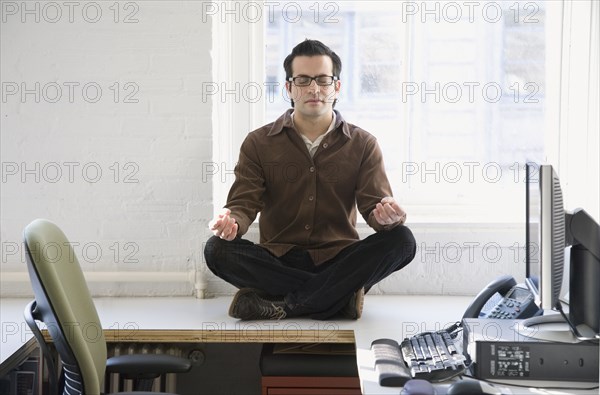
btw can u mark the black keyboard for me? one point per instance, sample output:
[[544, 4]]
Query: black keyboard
[[430, 356]]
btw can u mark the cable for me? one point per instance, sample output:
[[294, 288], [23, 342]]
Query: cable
[[454, 329]]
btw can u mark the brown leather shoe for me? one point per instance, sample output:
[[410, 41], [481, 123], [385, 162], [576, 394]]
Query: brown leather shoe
[[252, 304]]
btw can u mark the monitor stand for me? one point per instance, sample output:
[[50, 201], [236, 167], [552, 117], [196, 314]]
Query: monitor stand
[[553, 327]]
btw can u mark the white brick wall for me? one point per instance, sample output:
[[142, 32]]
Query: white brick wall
[[147, 213]]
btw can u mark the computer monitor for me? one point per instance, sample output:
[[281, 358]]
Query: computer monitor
[[549, 231], [544, 235]]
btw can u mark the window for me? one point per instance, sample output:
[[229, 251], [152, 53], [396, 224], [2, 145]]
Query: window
[[454, 92]]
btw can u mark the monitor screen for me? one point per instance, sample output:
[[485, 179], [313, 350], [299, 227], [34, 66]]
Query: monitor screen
[[532, 230]]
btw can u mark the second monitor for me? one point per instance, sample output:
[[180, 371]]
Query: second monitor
[[549, 230]]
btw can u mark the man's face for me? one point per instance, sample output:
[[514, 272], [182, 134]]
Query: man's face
[[313, 100]]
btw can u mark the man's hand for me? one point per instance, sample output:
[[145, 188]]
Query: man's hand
[[389, 212], [224, 226]]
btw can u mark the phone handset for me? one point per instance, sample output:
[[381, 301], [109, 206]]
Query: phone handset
[[501, 285]]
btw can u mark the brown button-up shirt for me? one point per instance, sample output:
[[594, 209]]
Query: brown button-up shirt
[[308, 202]]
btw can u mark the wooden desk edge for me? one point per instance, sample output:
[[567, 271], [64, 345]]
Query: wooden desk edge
[[225, 336]]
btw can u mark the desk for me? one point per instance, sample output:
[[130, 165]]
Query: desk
[[190, 320], [428, 313], [17, 341]]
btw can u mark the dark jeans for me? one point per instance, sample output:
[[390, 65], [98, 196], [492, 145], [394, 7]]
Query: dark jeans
[[315, 291]]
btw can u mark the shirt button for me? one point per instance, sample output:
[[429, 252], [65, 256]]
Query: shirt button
[[307, 227], [312, 169], [311, 198], [325, 145]]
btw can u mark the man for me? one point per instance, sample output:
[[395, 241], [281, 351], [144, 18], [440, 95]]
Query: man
[[307, 173]]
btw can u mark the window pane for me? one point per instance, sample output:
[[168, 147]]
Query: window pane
[[455, 95]]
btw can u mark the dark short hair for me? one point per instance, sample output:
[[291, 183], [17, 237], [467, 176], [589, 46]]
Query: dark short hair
[[312, 48]]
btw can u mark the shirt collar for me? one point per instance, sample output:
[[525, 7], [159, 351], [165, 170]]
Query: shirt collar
[[329, 128], [285, 121]]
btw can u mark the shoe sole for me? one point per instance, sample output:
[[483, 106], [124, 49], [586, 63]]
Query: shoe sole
[[237, 295], [360, 301]]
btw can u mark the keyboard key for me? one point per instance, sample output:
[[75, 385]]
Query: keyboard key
[[417, 349], [424, 348]]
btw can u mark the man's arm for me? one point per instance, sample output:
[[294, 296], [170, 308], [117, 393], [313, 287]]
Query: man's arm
[[245, 197], [373, 192]]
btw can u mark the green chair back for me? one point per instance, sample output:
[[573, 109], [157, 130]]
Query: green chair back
[[64, 304]]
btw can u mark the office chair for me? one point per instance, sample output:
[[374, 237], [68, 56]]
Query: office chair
[[64, 304]]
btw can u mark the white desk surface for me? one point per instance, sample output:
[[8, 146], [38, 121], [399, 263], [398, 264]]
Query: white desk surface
[[389, 316]]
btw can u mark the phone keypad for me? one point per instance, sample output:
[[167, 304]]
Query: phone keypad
[[506, 309]]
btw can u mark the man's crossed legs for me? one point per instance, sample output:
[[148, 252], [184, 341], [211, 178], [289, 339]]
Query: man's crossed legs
[[291, 285]]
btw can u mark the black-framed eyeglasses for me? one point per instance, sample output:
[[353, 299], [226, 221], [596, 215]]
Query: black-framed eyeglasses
[[321, 80]]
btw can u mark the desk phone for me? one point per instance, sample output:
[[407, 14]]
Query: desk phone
[[516, 301]]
